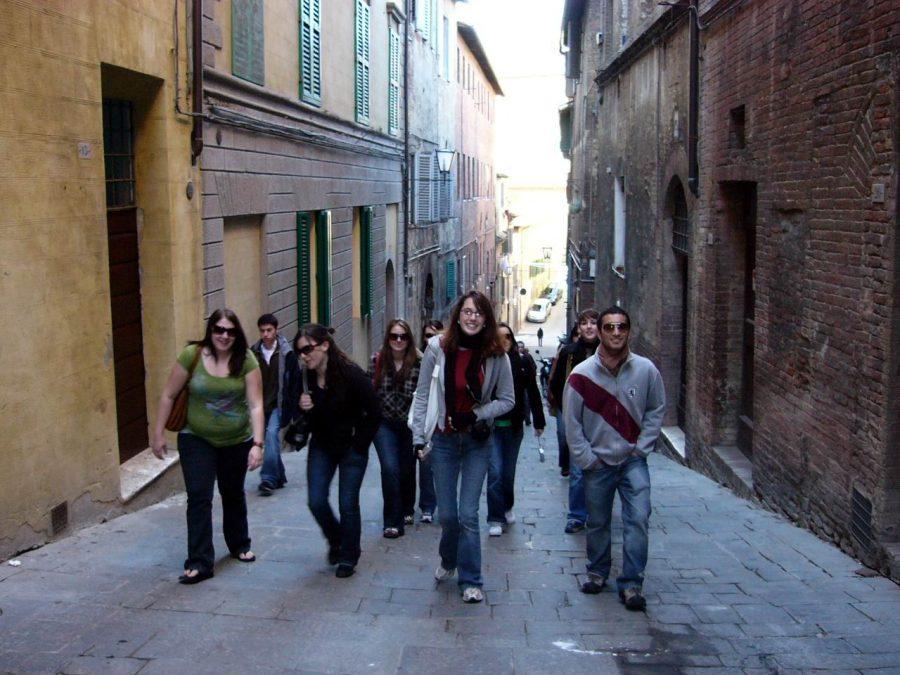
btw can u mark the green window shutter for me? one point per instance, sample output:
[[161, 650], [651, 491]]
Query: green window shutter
[[451, 279], [311, 51], [362, 61], [366, 279], [394, 83], [323, 267], [247, 37], [304, 283]]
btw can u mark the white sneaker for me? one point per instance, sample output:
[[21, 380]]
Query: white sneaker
[[495, 530], [510, 517], [472, 594], [442, 575]]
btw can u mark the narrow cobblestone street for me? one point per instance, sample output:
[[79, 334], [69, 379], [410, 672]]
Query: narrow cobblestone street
[[730, 588]]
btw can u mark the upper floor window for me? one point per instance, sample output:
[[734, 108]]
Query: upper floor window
[[247, 41], [311, 51], [394, 75], [362, 33]]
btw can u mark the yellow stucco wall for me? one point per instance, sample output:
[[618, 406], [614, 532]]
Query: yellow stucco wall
[[281, 49], [57, 396]]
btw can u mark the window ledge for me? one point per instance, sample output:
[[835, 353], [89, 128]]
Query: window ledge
[[141, 471]]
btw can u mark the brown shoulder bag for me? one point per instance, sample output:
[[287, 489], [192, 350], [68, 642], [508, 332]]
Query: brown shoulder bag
[[177, 418]]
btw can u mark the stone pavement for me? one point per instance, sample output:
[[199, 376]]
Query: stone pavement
[[730, 586]]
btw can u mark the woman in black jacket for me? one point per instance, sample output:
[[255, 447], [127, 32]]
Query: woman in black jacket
[[343, 415], [508, 433]]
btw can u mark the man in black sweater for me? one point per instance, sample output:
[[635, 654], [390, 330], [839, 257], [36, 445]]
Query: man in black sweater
[[271, 352]]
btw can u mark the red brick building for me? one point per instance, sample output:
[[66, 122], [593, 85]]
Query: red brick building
[[774, 181]]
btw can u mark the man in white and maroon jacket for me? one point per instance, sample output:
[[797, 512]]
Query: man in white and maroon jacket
[[613, 404]]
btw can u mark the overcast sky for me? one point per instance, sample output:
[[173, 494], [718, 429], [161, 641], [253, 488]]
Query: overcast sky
[[521, 38]]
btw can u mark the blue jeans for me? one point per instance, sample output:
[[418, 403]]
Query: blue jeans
[[272, 470], [577, 505], [561, 442], [202, 464], [427, 498], [320, 467], [578, 509], [502, 472], [631, 479], [460, 465], [393, 443]]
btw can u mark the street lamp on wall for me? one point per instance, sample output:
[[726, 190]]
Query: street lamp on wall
[[445, 160]]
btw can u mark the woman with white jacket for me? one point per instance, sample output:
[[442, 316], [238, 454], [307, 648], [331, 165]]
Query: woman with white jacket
[[475, 385]]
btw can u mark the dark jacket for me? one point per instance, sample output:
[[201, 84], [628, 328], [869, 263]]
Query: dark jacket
[[284, 349], [525, 382], [567, 358], [340, 420]]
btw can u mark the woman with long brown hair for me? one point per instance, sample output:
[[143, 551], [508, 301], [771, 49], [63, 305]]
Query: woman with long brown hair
[[476, 386], [343, 415], [394, 371], [222, 440]]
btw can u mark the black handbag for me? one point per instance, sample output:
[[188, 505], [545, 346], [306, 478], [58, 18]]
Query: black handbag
[[297, 433]]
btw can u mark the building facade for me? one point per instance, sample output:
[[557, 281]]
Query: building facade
[[452, 213], [266, 170], [745, 213], [100, 255], [303, 162]]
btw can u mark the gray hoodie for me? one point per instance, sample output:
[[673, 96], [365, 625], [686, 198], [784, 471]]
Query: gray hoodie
[[498, 381], [609, 418]]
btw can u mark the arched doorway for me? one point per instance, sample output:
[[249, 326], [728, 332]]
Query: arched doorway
[[390, 304], [677, 292]]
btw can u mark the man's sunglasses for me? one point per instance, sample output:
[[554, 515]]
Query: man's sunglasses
[[306, 350], [610, 327], [399, 337], [222, 330]]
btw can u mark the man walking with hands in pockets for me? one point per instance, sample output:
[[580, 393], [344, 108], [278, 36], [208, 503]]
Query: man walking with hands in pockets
[[614, 404]]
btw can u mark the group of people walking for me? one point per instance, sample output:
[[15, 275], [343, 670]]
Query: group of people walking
[[454, 406]]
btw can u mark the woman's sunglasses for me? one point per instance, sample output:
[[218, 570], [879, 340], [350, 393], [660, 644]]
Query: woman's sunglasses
[[306, 350], [399, 337], [222, 330]]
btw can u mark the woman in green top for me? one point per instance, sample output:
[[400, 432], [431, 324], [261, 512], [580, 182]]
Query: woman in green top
[[223, 437]]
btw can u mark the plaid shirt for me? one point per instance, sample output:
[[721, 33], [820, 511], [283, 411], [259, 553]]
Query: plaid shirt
[[395, 400]]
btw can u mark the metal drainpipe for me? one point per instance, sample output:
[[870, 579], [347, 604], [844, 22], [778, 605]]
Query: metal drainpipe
[[197, 35], [405, 166], [694, 103]]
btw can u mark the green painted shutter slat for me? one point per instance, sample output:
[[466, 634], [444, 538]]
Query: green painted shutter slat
[[394, 83], [247, 41], [362, 61], [304, 283], [311, 51], [323, 267], [451, 279]]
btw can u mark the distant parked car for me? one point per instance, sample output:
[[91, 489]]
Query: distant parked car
[[553, 294], [539, 311]]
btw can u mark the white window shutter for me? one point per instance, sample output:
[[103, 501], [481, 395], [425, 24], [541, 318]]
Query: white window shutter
[[424, 200]]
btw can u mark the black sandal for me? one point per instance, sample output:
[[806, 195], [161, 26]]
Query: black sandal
[[197, 578], [237, 556]]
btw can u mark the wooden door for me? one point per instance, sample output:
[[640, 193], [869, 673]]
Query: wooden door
[[127, 332]]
